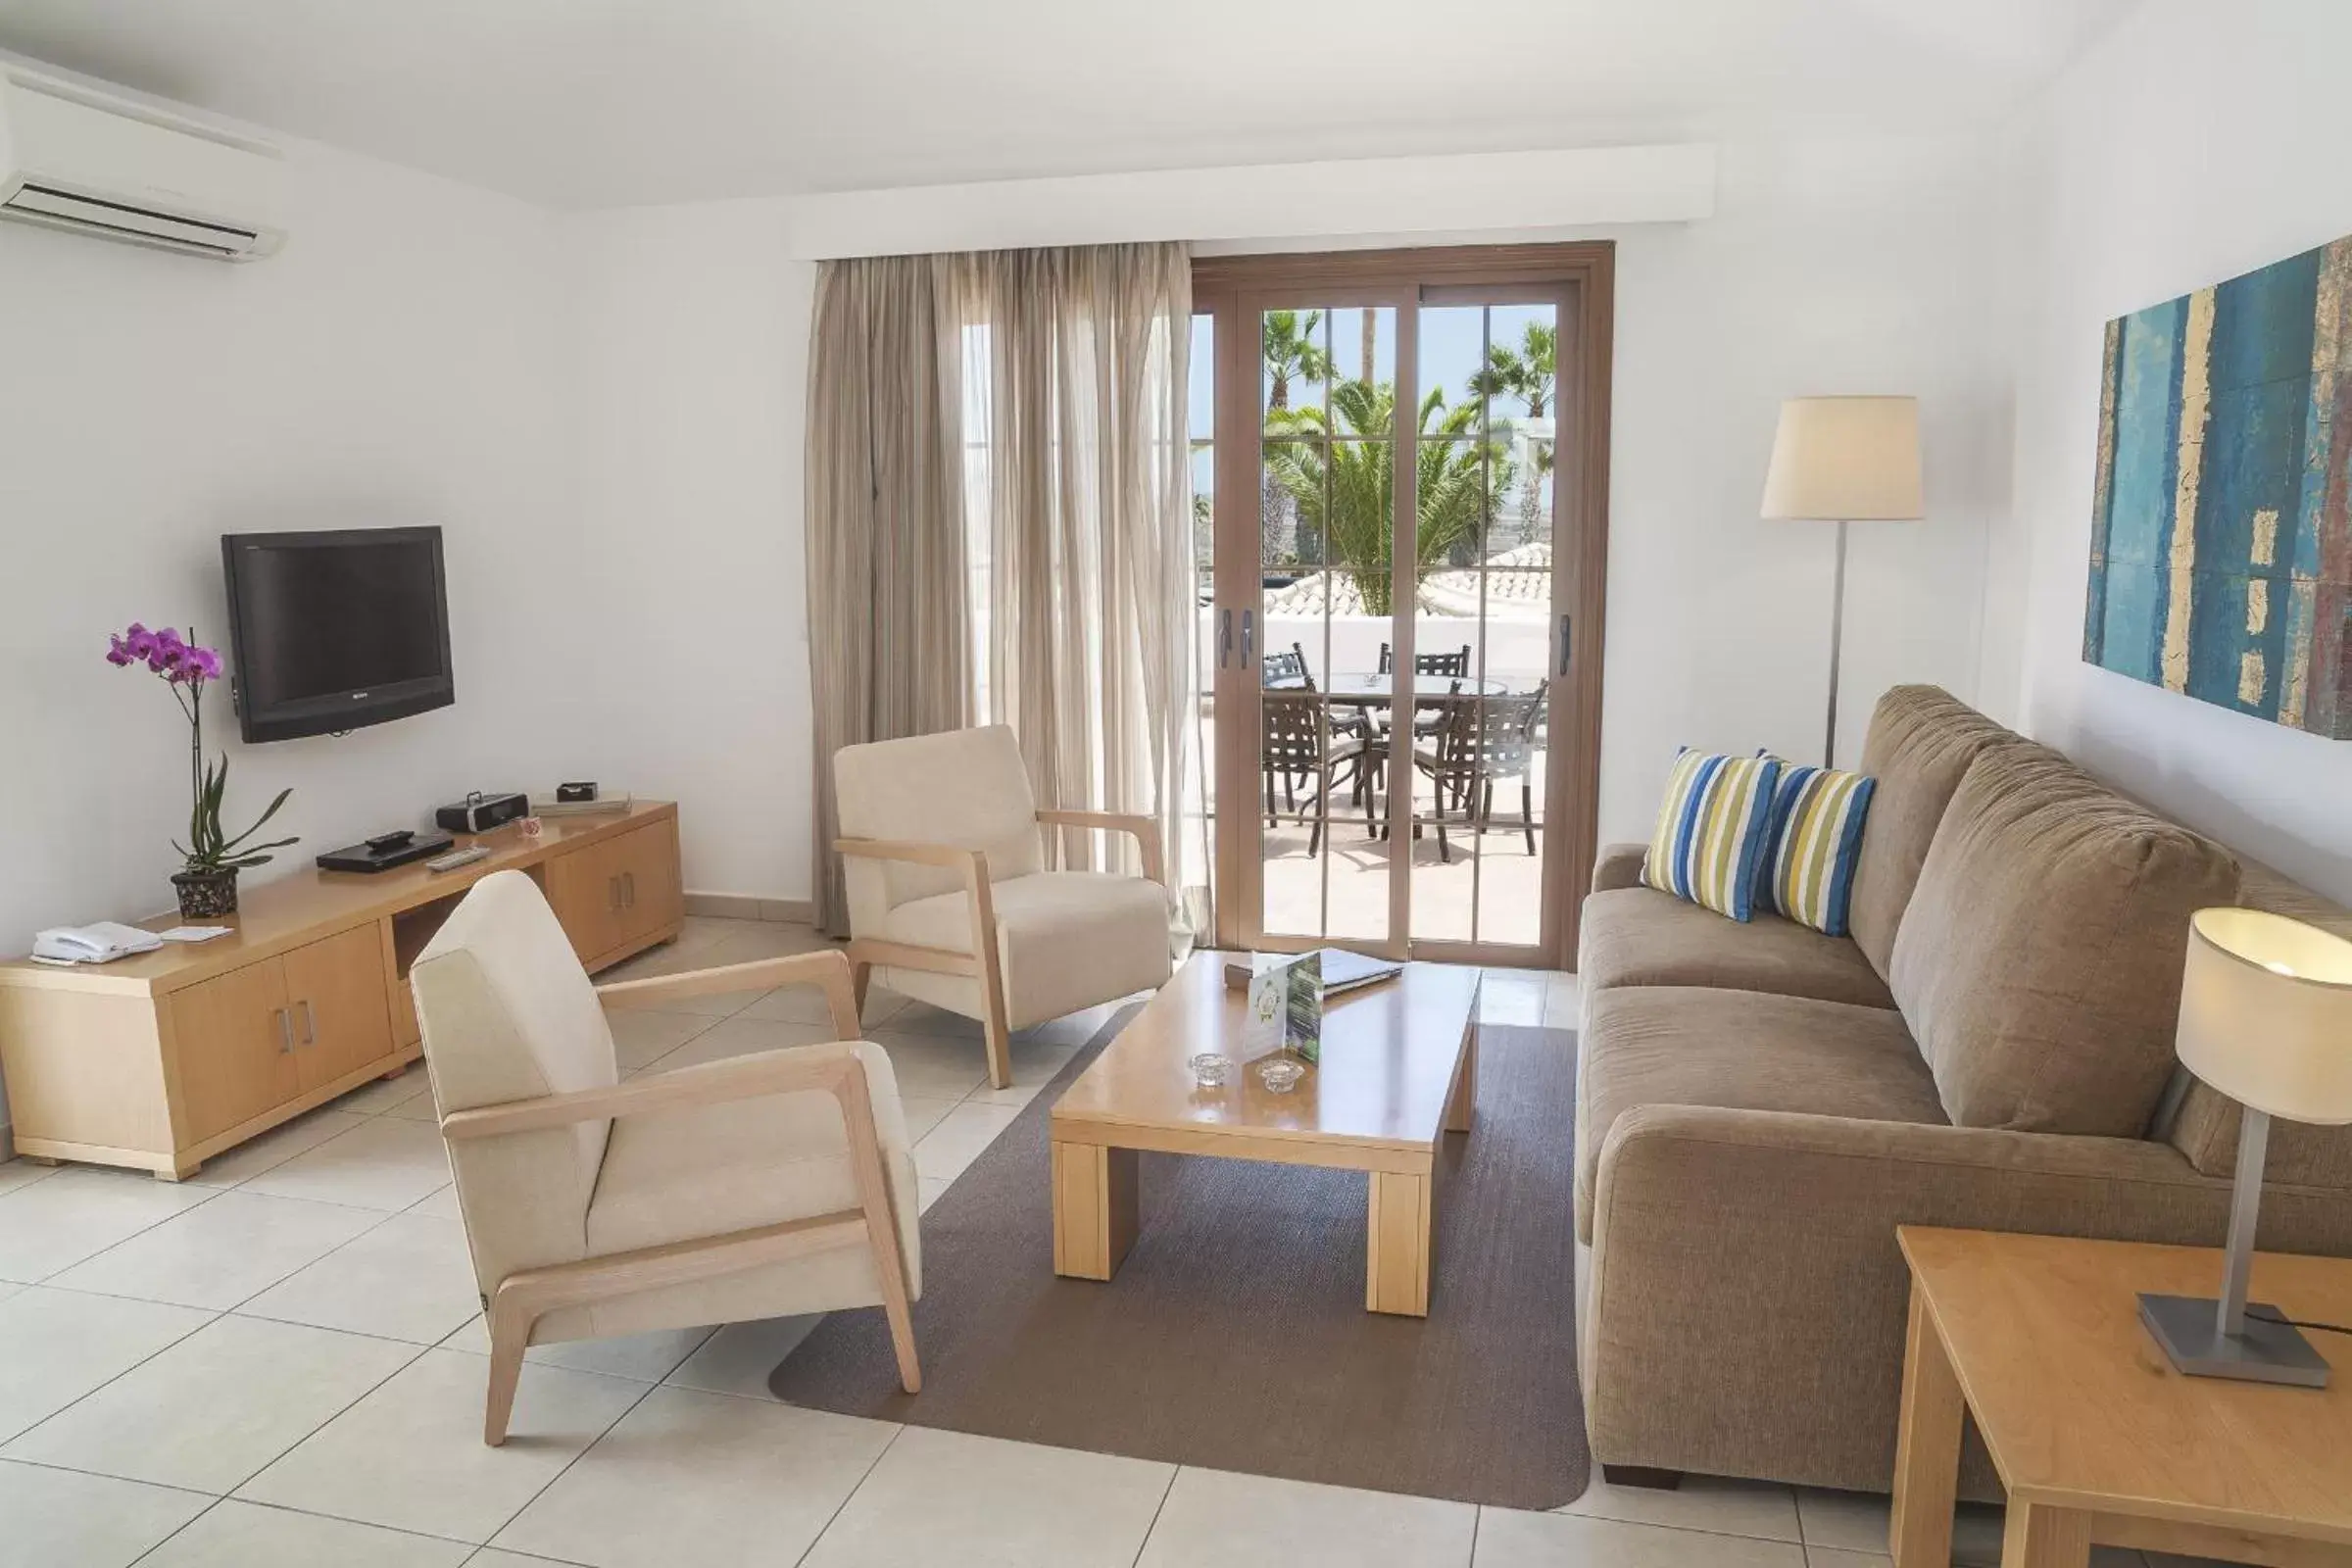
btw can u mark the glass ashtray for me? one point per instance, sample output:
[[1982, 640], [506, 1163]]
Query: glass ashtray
[[1212, 1069], [1280, 1076]]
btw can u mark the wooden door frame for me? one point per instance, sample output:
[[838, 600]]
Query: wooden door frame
[[1585, 271]]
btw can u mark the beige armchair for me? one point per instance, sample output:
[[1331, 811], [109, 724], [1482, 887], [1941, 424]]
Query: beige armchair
[[950, 901], [753, 1186]]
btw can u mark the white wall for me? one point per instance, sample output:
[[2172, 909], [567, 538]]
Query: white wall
[[1837, 266], [2192, 145], [686, 377], [395, 365], [1830, 267]]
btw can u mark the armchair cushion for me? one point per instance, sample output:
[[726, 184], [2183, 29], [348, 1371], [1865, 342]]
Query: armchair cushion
[[1065, 940], [965, 788], [509, 1013], [679, 1175]]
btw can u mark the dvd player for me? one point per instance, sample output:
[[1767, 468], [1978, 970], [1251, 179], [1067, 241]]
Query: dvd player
[[385, 851]]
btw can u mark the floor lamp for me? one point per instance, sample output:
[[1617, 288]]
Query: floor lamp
[[1842, 461]]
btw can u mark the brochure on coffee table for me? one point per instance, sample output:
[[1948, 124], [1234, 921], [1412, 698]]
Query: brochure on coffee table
[[1286, 1008]]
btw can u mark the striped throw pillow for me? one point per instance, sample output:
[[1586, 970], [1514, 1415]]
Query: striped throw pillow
[[1711, 831], [1807, 872]]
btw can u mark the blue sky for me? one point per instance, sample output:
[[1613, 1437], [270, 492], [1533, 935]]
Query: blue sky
[[1450, 349]]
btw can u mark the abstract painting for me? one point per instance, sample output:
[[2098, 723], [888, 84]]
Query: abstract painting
[[2220, 543]]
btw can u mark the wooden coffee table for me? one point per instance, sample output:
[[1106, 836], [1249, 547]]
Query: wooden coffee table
[[1397, 1072], [2096, 1438]]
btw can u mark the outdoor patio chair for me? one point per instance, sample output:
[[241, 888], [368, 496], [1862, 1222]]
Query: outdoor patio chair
[[1285, 671], [1428, 718], [1298, 744], [1484, 741]]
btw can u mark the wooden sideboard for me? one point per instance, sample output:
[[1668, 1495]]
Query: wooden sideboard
[[163, 1060]]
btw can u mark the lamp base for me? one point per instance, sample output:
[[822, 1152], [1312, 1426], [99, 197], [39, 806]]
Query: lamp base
[[2188, 1330]]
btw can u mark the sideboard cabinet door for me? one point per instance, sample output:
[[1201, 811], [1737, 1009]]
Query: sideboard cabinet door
[[342, 1015], [234, 1038]]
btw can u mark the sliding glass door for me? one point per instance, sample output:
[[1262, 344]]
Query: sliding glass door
[[1389, 638]]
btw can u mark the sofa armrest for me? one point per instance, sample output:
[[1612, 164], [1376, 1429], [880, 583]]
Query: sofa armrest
[[1747, 1298], [1618, 865]]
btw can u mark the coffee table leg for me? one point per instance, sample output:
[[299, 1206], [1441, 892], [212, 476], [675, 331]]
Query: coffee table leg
[[1396, 1244], [1926, 1448], [2038, 1536], [1093, 1210], [1465, 1083]]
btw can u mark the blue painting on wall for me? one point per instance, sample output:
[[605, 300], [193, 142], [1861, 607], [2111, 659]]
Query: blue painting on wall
[[2221, 543]]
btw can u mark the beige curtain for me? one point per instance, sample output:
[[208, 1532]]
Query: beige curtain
[[1038, 398], [889, 646]]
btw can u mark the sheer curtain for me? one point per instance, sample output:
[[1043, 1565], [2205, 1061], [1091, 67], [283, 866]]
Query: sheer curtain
[[1018, 420]]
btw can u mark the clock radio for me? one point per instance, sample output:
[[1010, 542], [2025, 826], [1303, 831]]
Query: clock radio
[[479, 812]]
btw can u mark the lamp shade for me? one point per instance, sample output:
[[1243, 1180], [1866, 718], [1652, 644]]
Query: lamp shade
[[2266, 1014], [1845, 460]]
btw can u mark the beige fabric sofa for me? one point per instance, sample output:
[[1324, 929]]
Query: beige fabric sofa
[[1759, 1106]]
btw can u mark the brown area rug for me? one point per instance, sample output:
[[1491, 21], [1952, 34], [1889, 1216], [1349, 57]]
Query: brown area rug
[[1234, 1334]]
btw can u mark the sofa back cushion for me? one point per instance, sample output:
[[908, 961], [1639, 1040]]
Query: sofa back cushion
[[2038, 965], [1922, 739], [2202, 1122]]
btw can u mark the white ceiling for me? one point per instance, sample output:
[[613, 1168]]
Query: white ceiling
[[579, 103]]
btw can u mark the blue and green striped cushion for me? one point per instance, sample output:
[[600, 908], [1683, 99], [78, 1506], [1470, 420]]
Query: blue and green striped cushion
[[1808, 871], [1711, 831]]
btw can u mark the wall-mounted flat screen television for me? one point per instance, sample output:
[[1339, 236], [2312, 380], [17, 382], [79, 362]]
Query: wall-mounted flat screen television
[[330, 631]]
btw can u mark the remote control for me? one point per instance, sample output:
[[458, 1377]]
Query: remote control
[[457, 858]]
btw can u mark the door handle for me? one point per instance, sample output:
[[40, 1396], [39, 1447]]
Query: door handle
[[628, 890], [1566, 645], [613, 893], [1224, 637], [1249, 636], [286, 1030], [310, 1022]]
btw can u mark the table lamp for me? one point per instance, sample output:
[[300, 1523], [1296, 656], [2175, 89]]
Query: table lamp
[[1842, 461], [2266, 1018]]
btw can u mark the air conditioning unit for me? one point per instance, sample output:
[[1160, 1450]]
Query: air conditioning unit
[[74, 160]]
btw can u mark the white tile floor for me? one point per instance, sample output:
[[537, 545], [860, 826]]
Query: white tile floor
[[279, 1365]]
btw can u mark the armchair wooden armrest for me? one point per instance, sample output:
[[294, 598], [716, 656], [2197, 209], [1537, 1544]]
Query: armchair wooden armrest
[[829, 970], [940, 854], [827, 1068], [522, 1297], [980, 963], [1144, 830]]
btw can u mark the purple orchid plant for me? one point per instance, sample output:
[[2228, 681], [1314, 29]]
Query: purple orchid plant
[[189, 669]]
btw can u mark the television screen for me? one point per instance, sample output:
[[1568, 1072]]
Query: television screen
[[331, 631]]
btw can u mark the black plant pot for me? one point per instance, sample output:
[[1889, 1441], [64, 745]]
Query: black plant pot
[[206, 895]]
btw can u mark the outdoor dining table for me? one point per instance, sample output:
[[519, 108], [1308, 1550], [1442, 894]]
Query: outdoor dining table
[[1366, 691]]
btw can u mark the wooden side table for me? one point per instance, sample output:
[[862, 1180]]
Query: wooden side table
[[2094, 1435]]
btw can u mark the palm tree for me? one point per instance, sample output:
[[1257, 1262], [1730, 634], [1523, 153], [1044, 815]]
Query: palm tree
[[1528, 373], [1454, 503], [1291, 342], [1293, 348]]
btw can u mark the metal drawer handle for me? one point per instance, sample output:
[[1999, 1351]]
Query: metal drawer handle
[[310, 1022], [286, 1030], [628, 890]]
